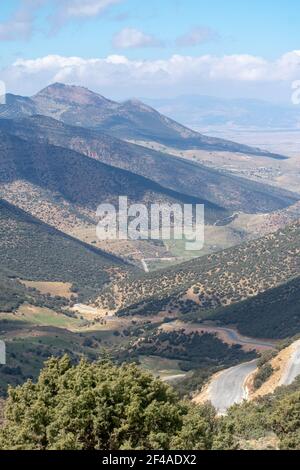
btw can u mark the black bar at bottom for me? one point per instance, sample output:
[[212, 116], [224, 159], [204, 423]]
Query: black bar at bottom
[[134, 459]]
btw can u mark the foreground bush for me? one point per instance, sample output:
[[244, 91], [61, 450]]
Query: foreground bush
[[108, 407], [102, 406]]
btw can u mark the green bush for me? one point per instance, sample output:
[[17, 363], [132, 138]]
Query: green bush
[[262, 375], [102, 406]]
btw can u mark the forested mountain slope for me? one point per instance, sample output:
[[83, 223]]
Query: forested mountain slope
[[32, 250], [219, 279], [271, 314]]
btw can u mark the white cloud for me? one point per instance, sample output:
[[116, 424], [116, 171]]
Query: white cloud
[[84, 8], [118, 74], [129, 38], [196, 36]]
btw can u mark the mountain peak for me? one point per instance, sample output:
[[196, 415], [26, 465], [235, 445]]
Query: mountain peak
[[71, 93]]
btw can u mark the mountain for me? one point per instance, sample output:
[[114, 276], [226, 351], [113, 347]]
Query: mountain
[[199, 111], [64, 188], [131, 120], [207, 283], [216, 189]]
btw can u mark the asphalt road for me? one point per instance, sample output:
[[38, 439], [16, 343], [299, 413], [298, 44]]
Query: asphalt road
[[235, 337], [231, 335], [228, 387], [292, 367]]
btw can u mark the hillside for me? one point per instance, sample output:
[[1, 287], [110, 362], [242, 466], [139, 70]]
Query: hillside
[[64, 188], [211, 186], [129, 120], [216, 280], [271, 314], [35, 317], [12, 293], [32, 250]]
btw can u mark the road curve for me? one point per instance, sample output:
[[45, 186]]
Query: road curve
[[292, 369], [228, 387], [237, 338], [228, 335]]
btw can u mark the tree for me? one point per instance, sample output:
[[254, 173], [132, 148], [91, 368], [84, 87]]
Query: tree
[[103, 406], [198, 430], [91, 406], [285, 421]]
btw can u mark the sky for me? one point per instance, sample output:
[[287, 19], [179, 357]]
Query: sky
[[157, 48]]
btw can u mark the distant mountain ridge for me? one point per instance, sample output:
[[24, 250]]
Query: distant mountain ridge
[[203, 111], [131, 120]]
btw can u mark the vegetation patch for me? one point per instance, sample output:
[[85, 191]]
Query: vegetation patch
[[100, 406], [272, 314], [60, 289], [218, 280]]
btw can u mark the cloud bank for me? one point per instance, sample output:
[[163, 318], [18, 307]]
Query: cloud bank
[[117, 73]]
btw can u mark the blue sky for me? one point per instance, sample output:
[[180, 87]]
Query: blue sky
[[152, 31]]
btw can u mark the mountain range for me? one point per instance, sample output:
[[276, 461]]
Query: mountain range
[[66, 150], [199, 111], [131, 120]]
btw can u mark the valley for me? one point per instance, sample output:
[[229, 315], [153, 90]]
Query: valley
[[218, 324], [149, 231], [281, 172]]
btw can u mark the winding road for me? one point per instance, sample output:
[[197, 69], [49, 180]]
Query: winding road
[[228, 335], [235, 337], [292, 369], [228, 387], [2, 353]]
